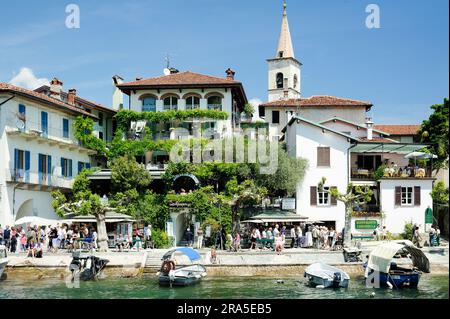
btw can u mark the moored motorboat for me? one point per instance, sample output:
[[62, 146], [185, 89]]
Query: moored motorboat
[[3, 261], [86, 267], [185, 275], [382, 271], [320, 274]]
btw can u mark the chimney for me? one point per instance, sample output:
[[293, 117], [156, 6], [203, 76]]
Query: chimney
[[71, 96], [369, 126], [56, 87], [117, 100], [230, 74]]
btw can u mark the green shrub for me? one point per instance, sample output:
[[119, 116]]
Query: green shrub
[[379, 173], [408, 231], [160, 238]]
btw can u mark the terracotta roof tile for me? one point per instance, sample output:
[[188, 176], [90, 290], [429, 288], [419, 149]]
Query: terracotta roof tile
[[318, 100], [4, 87], [45, 88], [399, 129], [183, 78]]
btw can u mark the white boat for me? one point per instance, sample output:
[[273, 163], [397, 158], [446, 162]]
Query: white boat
[[326, 276], [3, 261]]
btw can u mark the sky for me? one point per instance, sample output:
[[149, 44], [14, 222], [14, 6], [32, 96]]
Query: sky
[[401, 67]]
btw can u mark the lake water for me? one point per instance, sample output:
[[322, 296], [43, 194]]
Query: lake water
[[435, 287]]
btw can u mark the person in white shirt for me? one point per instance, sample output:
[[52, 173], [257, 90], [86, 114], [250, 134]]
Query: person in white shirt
[[94, 238], [276, 231]]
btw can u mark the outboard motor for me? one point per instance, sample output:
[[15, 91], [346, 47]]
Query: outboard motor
[[337, 279]]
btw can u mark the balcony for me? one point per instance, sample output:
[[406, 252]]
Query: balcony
[[362, 174], [37, 181], [32, 132]]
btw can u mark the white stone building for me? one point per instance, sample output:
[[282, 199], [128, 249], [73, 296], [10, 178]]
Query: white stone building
[[38, 151]]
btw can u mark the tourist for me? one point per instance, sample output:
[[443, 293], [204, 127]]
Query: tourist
[[432, 236], [253, 238], [199, 238], [315, 236], [148, 236], [298, 236], [438, 236], [294, 238], [263, 234], [31, 249], [384, 234], [14, 236], [331, 238], [416, 236], [276, 231], [279, 243], [309, 239], [94, 238], [137, 240], [23, 241], [237, 242], [7, 236], [189, 237], [229, 242]]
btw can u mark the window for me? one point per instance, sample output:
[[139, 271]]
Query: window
[[323, 156], [407, 196], [171, 103], [66, 167], [280, 54], [295, 80], [275, 117], [22, 116], [100, 135], [280, 80], [44, 167], [323, 198], [192, 103], [82, 165], [44, 123], [65, 128], [215, 103], [21, 164], [149, 104], [100, 119]]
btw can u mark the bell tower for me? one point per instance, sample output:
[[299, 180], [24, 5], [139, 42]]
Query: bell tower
[[284, 69]]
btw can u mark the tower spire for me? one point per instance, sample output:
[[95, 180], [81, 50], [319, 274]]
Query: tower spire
[[285, 48]]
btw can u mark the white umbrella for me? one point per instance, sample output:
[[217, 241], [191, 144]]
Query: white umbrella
[[34, 220], [421, 155]]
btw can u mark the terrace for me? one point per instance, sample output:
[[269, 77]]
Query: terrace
[[375, 161]]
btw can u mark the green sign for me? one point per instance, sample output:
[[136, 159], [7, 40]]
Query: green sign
[[366, 224], [428, 216]]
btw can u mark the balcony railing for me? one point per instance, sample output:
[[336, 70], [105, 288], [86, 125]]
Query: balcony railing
[[38, 178], [391, 173], [217, 107]]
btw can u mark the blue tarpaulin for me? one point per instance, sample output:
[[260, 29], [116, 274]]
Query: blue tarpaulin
[[191, 253]]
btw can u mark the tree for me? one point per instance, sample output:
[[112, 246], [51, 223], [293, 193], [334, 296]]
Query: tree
[[435, 131], [354, 195], [127, 174], [289, 174], [83, 202], [243, 195], [440, 203]]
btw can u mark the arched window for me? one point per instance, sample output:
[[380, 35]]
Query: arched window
[[280, 80], [192, 103], [295, 80], [171, 103], [215, 103], [149, 104]]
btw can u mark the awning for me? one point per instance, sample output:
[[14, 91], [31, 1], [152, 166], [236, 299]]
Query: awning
[[380, 258], [273, 216], [400, 148], [111, 217], [187, 251]]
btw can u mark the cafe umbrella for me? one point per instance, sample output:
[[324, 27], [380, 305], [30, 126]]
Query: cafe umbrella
[[421, 155]]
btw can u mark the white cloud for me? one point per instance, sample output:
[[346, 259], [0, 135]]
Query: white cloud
[[28, 80], [255, 102]]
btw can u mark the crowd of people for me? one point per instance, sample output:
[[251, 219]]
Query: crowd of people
[[34, 240]]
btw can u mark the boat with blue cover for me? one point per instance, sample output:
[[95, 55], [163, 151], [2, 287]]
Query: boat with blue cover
[[185, 275]]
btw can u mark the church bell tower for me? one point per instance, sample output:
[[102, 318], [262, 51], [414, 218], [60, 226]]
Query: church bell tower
[[284, 69]]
